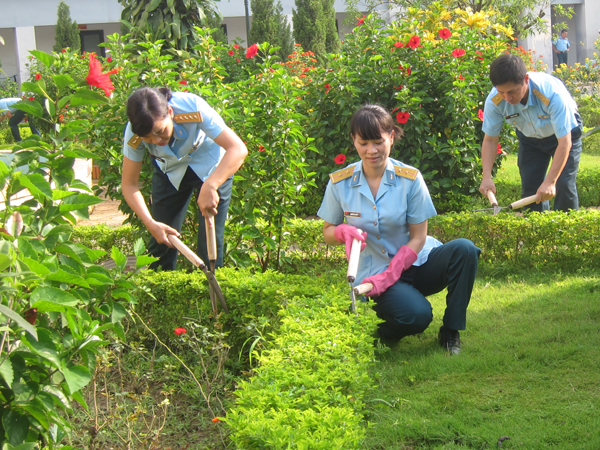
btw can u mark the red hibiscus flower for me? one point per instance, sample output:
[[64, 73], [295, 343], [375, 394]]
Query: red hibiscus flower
[[109, 59], [398, 44], [408, 71], [398, 88], [414, 42], [237, 59], [499, 149], [360, 21], [64, 50], [61, 118], [236, 46], [97, 78], [480, 57], [444, 33], [231, 53], [261, 149], [480, 114], [180, 331], [38, 76], [460, 77], [216, 420], [327, 87], [251, 51], [458, 52], [340, 159], [31, 99], [184, 82], [31, 315], [402, 117]]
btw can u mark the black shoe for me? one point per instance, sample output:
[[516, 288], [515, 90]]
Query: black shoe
[[449, 340]]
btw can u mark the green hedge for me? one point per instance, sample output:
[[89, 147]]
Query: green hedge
[[309, 390], [557, 240]]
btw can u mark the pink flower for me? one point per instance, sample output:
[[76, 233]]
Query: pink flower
[[180, 331], [480, 114], [398, 44], [458, 52], [360, 21], [444, 33], [340, 159], [414, 42], [38, 76], [402, 117], [251, 51], [231, 53]]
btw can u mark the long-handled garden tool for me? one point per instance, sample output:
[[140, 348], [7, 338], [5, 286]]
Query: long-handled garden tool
[[353, 269], [211, 244], [213, 285], [514, 205]]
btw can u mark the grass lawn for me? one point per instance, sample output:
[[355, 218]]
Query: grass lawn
[[529, 369]]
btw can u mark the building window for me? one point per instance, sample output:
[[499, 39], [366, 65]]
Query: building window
[[90, 41], [224, 28]]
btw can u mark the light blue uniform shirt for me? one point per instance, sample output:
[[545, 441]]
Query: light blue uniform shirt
[[6, 103], [550, 110], [400, 201], [562, 45], [192, 143]]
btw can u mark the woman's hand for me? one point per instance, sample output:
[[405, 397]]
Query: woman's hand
[[161, 231], [208, 200]]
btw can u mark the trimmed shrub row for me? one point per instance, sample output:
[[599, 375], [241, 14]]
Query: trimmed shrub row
[[310, 387]]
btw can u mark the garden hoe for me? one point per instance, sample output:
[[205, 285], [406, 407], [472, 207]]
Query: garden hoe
[[213, 285], [514, 205], [353, 269]]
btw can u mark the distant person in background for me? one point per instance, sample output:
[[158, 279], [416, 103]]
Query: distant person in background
[[15, 117], [561, 47]]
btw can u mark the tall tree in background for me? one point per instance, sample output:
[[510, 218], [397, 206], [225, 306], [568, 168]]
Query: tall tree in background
[[171, 20], [269, 24], [67, 31], [332, 38], [310, 25]]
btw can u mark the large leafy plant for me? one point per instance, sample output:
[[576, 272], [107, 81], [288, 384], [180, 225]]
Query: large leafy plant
[[56, 303]]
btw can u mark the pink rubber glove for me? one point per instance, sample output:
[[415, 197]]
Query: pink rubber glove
[[345, 234], [405, 258]]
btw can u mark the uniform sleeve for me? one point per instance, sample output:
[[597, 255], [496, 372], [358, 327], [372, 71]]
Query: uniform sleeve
[[331, 209], [134, 154], [420, 206], [492, 117], [562, 110], [212, 123]]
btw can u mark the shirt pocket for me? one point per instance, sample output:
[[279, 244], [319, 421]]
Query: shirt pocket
[[542, 121]]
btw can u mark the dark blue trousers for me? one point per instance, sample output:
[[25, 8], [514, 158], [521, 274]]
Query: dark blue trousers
[[404, 307], [170, 206], [14, 122], [533, 161]]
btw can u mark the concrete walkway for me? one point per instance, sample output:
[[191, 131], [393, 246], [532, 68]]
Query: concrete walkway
[[106, 212]]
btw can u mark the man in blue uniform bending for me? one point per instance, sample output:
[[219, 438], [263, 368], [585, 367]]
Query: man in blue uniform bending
[[549, 129]]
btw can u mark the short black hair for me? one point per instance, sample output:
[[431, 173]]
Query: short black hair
[[563, 31], [507, 68], [146, 106], [372, 120]]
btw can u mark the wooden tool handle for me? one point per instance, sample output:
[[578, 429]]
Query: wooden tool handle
[[186, 251], [354, 257], [523, 202], [211, 238], [363, 288], [492, 198]]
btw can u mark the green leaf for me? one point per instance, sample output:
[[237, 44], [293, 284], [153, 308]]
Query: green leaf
[[66, 277], [45, 58], [16, 426], [28, 86], [50, 107], [20, 320], [6, 370], [30, 107], [5, 261], [53, 296], [153, 5], [44, 347], [37, 185], [63, 81], [118, 257], [118, 312], [78, 201], [77, 377], [85, 97]]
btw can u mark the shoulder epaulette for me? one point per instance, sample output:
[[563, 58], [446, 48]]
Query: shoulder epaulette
[[188, 117], [497, 99], [541, 96], [340, 175], [135, 141], [406, 172]]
